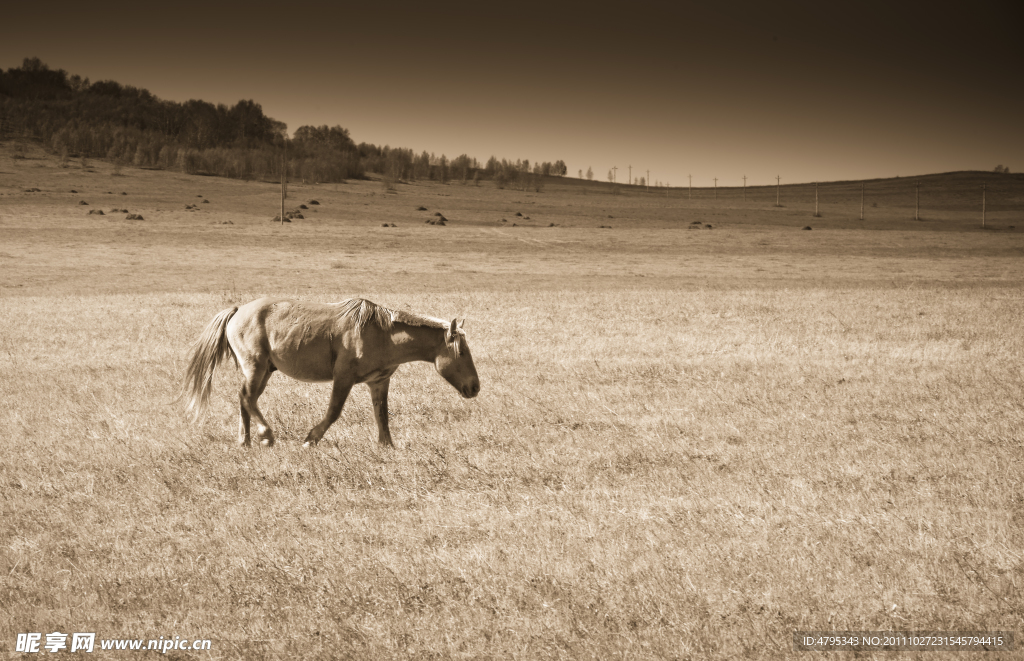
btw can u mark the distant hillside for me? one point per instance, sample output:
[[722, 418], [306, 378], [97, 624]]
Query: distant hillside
[[131, 126]]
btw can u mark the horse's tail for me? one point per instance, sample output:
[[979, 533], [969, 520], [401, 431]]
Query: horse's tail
[[208, 351]]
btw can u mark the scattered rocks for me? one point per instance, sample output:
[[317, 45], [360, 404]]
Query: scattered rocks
[[421, 208], [73, 190], [313, 202], [198, 195], [807, 227], [503, 220], [35, 190], [277, 219], [551, 225], [438, 213], [206, 201], [134, 216], [303, 206], [98, 212], [123, 193], [696, 222], [707, 226], [605, 227], [83, 203], [519, 215]]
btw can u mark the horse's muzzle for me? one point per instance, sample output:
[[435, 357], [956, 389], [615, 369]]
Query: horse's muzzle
[[471, 391]]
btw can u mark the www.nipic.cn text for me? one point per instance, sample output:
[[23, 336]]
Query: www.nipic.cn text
[[86, 642]]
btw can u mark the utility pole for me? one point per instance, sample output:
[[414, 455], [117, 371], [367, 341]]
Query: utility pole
[[716, 187], [630, 175], [983, 188], [689, 192], [917, 207], [816, 214], [744, 188], [648, 181], [284, 168], [615, 171], [862, 200], [778, 180]]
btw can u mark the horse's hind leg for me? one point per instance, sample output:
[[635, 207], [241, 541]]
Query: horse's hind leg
[[243, 413], [243, 424], [255, 377]]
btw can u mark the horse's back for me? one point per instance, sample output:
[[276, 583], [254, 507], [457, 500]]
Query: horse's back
[[301, 339]]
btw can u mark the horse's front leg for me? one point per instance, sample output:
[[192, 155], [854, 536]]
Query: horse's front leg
[[339, 393], [379, 395]]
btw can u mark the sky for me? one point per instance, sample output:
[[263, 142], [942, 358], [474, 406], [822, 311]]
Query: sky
[[808, 91]]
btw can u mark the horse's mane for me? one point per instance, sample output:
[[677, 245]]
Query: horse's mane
[[366, 312]]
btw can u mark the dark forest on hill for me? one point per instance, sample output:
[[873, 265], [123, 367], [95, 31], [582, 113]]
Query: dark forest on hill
[[130, 126]]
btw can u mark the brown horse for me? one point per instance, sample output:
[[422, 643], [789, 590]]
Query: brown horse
[[355, 341]]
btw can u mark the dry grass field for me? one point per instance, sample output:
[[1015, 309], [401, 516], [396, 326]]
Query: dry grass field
[[689, 443]]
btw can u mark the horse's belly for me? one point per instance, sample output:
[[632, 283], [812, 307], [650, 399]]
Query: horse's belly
[[310, 363]]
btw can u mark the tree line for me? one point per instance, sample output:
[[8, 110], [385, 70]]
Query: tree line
[[130, 126]]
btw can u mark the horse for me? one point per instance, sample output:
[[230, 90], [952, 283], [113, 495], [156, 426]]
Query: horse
[[354, 341]]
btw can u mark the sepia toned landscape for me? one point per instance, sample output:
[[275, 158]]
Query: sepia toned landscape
[[706, 421]]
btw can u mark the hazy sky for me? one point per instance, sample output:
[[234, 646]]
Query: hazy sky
[[811, 91]]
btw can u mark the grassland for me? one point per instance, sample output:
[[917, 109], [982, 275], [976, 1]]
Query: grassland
[[689, 443]]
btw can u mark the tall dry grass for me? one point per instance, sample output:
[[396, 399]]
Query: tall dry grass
[[646, 473]]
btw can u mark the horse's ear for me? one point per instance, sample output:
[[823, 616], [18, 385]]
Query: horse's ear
[[462, 323], [453, 329]]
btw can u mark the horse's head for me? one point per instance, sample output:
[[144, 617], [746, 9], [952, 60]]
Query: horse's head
[[455, 363]]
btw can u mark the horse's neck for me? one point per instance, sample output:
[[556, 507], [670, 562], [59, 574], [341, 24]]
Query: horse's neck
[[411, 343]]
